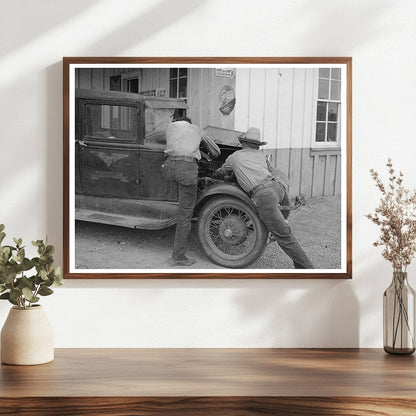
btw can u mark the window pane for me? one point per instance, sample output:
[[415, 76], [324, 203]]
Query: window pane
[[323, 72], [183, 72], [133, 85], [173, 86], [332, 111], [182, 87], [156, 122], [173, 73], [336, 90], [321, 111], [115, 83], [336, 73], [320, 132], [332, 132], [323, 92], [112, 122]]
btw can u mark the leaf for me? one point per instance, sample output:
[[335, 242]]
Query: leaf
[[2, 288], [9, 277], [5, 250], [24, 282], [2, 236], [57, 276], [27, 293], [37, 243], [18, 242], [45, 291], [13, 302], [5, 295], [49, 250], [15, 294], [21, 255], [2, 227], [26, 264], [43, 274]]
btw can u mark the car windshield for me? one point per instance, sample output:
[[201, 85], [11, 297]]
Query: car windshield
[[113, 122], [157, 120]]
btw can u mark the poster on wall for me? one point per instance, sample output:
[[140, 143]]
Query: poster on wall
[[207, 167]]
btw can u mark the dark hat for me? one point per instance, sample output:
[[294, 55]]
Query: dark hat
[[252, 136]]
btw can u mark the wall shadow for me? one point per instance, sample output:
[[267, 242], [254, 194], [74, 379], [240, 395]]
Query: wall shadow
[[278, 310], [40, 15], [336, 17], [302, 314]]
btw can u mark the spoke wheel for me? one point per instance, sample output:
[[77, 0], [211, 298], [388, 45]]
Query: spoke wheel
[[231, 233]]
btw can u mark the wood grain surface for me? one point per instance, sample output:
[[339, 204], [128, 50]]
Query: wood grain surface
[[212, 381]]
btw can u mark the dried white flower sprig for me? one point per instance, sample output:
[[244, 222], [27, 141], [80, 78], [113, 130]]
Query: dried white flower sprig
[[396, 216]]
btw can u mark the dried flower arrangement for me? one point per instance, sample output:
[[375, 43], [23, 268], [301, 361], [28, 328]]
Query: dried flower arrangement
[[396, 216]]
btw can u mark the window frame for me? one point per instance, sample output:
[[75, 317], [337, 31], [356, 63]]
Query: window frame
[[127, 77], [83, 107], [178, 78], [326, 144]]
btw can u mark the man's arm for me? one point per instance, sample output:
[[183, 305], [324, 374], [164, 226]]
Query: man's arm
[[225, 170]]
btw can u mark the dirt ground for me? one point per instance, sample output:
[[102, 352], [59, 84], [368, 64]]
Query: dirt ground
[[317, 225]]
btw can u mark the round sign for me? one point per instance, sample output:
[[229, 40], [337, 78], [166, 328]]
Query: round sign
[[226, 101]]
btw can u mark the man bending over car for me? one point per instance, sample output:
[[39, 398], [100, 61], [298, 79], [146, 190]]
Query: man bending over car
[[250, 168]]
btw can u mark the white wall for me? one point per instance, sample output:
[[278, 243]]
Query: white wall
[[380, 36]]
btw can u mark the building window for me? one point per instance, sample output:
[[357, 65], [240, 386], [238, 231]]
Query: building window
[[329, 106], [115, 83], [178, 82], [178, 85], [132, 85], [132, 81]]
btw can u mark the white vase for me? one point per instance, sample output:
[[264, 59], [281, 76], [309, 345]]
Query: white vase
[[27, 337]]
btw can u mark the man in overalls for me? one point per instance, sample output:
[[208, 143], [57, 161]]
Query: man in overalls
[[250, 168]]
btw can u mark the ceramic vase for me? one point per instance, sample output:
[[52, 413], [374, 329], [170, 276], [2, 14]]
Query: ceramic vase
[[27, 337]]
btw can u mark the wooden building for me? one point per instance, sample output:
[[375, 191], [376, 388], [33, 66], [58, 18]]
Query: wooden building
[[298, 111]]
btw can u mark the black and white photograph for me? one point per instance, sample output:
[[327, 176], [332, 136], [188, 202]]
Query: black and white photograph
[[215, 168]]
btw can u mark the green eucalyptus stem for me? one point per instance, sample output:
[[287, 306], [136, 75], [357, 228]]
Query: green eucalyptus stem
[[23, 280]]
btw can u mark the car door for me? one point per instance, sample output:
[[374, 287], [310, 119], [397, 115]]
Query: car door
[[108, 148]]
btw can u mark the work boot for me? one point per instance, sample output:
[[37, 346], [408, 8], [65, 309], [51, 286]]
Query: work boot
[[183, 261]]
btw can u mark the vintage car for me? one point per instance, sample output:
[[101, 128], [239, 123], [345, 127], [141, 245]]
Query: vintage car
[[119, 144]]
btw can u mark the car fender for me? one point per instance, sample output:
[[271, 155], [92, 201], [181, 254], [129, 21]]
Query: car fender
[[223, 188]]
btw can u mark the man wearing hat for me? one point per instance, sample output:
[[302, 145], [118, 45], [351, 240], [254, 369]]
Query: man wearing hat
[[251, 170]]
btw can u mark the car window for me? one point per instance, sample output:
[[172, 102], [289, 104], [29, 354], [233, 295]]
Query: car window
[[156, 122], [112, 122]]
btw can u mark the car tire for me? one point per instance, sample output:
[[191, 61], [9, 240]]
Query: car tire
[[231, 233]]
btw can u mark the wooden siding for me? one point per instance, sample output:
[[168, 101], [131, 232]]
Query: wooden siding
[[203, 97], [280, 101], [310, 173], [155, 78]]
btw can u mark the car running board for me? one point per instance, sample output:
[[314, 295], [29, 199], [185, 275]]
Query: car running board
[[143, 223]]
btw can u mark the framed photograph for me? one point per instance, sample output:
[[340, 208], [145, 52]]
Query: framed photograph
[[207, 168]]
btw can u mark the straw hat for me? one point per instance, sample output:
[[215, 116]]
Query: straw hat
[[252, 136]]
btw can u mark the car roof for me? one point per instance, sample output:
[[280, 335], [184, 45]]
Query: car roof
[[129, 97]]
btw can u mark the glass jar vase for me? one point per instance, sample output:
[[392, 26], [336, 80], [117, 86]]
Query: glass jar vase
[[399, 316]]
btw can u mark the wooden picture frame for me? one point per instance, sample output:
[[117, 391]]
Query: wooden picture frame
[[302, 106]]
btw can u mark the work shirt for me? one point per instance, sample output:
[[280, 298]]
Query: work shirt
[[249, 167], [183, 139]]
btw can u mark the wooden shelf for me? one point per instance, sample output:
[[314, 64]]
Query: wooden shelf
[[212, 382]]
